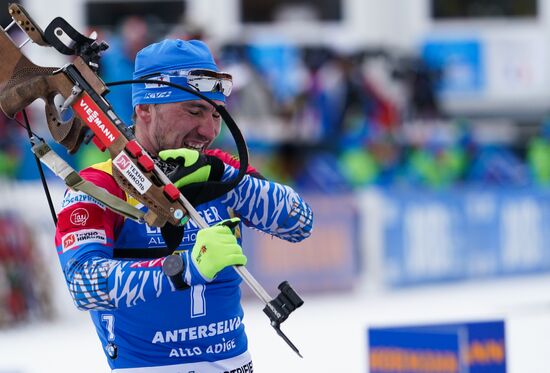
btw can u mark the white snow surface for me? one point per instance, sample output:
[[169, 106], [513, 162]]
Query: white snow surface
[[330, 329]]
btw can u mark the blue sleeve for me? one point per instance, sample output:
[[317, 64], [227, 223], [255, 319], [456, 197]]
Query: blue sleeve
[[96, 281], [270, 207], [85, 236]]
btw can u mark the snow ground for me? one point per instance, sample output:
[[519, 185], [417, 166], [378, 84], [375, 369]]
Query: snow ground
[[329, 330]]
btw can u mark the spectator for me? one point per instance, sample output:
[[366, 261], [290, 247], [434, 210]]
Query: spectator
[[118, 62], [538, 156]]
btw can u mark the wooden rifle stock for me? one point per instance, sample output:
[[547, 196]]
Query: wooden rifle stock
[[22, 82]]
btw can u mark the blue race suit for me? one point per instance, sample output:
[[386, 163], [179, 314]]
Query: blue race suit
[[140, 318]]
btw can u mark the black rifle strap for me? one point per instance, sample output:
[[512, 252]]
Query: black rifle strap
[[40, 170]]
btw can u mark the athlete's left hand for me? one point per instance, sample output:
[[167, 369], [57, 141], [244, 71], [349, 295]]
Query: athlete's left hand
[[215, 249]]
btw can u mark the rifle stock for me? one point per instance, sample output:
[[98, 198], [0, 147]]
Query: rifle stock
[[22, 82]]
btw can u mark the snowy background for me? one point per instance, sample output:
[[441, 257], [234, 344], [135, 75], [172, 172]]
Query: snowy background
[[330, 329]]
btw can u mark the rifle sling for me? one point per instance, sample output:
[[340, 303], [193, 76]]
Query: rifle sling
[[74, 181]]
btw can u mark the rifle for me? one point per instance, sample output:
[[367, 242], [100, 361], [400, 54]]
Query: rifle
[[136, 172]]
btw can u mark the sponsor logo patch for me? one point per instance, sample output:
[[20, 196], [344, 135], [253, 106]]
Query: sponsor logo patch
[[158, 94], [98, 122], [79, 216], [131, 172], [73, 197], [75, 239], [69, 240]]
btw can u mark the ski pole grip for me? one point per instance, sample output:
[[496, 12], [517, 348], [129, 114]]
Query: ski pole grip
[[291, 297], [283, 305]]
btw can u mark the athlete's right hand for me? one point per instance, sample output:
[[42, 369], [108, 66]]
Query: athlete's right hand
[[215, 248], [192, 166], [188, 169]]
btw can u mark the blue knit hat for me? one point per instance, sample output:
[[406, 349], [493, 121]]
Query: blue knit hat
[[159, 60]]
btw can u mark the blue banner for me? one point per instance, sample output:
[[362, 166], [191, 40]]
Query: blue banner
[[460, 62], [444, 348], [442, 236], [327, 260]]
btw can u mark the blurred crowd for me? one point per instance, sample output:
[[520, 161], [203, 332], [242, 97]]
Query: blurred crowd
[[24, 282], [325, 118]]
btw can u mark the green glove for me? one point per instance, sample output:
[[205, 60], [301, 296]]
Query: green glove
[[216, 248], [190, 166]]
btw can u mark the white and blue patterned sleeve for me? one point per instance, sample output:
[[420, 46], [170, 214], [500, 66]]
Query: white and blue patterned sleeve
[[98, 282], [270, 207]]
